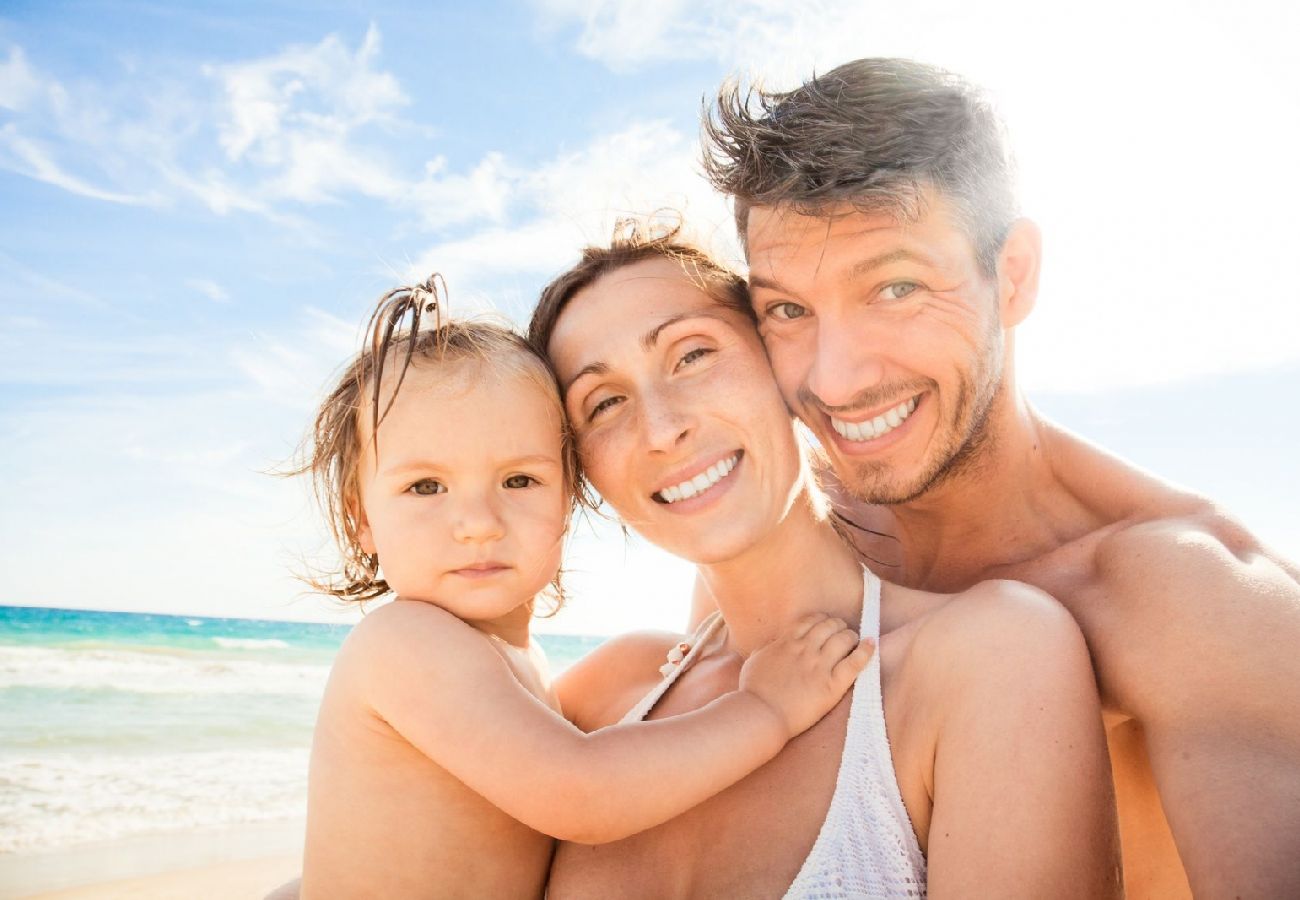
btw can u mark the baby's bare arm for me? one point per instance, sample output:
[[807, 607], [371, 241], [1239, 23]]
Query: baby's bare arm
[[445, 690]]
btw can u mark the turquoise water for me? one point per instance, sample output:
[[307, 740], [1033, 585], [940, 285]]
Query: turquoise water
[[118, 724]]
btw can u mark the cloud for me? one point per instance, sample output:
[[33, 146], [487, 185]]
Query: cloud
[[575, 199], [210, 289], [273, 136], [1155, 155], [19, 85]]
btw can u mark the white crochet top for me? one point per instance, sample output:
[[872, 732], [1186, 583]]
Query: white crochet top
[[866, 847]]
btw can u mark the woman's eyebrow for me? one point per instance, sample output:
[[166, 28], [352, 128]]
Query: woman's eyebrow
[[595, 368], [651, 337]]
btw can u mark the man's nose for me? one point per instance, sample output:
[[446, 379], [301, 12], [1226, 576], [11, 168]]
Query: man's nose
[[477, 519], [845, 362], [665, 420]]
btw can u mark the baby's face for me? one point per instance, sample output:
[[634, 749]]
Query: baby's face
[[466, 503]]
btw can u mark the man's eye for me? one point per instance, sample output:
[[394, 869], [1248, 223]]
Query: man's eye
[[786, 311], [603, 405], [427, 487], [898, 290], [520, 481]]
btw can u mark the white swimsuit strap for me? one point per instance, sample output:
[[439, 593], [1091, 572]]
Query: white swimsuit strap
[[680, 658]]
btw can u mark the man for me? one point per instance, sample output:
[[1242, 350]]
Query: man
[[888, 270]]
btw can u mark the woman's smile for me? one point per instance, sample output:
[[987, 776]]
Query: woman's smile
[[687, 492]]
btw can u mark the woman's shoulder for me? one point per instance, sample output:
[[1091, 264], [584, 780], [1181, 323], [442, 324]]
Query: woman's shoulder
[[982, 641], [600, 688]]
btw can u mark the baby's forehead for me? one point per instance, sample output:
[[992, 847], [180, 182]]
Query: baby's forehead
[[459, 392]]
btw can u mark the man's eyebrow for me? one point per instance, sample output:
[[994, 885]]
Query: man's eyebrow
[[902, 254], [857, 270]]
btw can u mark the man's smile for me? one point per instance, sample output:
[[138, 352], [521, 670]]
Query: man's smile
[[871, 427]]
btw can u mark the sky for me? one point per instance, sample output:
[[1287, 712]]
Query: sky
[[199, 204]]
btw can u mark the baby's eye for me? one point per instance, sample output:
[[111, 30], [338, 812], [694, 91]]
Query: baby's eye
[[898, 290], [603, 405], [786, 311], [520, 481], [427, 487]]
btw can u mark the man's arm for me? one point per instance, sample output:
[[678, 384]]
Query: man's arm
[[1207, 659]]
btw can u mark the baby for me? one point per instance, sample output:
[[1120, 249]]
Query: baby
[[442, 764]]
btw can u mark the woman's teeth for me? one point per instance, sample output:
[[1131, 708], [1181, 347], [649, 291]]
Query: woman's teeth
[[701, 482], [877, 427]]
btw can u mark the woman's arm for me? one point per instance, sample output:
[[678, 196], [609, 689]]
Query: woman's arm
[[443, 688], [1023, 799]]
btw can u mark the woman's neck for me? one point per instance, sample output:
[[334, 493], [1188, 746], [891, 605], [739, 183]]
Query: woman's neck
[[802, 566]]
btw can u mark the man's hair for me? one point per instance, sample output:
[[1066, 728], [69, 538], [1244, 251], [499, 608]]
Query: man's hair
[[635, 240], [346, 426], [874, 134]]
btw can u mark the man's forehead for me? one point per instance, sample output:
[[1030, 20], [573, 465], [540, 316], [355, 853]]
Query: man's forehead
[[777, 235]]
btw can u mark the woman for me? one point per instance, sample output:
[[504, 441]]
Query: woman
[[993, 779]]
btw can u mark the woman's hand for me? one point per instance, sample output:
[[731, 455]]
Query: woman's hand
[[804, 673]]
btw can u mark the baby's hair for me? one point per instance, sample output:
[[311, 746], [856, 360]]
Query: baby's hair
[[409, 324]]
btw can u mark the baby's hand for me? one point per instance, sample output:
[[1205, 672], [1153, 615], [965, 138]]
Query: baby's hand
[[804, 673]]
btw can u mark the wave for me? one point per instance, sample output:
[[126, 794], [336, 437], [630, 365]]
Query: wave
[[66, 799], [155, 672]]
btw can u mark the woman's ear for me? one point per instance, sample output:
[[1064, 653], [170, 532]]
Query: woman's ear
[[1018, 265]]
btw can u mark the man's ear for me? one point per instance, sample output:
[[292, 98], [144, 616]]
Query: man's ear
[[1018, 265]]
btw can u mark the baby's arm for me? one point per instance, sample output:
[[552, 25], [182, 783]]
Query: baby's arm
[[439, 684]]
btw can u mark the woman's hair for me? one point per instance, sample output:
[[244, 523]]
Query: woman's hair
[[408, 327], [635, 240]]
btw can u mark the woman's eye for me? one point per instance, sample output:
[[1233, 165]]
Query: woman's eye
[[427, 487], [785, 310], [520, 481], [603, 405], [898, 290], [693, 356]]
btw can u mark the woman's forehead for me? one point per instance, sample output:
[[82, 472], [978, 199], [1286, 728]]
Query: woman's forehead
[[625, 304]]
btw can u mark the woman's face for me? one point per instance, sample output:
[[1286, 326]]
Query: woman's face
[[679, 423]]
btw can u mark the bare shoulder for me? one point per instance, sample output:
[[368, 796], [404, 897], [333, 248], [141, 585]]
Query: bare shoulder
[[408, 640], [996, 623], [599, 688], [997, 644], [402, 623], [1189, 545], [1196, 586]]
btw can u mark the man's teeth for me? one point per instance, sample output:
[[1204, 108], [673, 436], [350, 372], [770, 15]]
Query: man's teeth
[[701, 482], [877, 427]]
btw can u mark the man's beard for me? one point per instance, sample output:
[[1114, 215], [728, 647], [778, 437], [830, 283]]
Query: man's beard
[[963, 449]]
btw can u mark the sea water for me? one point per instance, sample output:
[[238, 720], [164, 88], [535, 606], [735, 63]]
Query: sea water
[[116, 725]]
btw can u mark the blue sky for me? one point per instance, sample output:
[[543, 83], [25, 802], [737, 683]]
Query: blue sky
[[198, 204]]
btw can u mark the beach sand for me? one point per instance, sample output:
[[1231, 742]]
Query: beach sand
[[252, 878], [227, 864]]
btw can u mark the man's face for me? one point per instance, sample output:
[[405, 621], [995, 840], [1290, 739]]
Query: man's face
[[884, 337]]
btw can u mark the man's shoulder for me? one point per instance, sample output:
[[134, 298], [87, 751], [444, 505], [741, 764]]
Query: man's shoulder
[[1177, 598], [1173, 549]]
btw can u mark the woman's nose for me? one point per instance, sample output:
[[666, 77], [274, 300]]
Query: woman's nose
[[664, 421]]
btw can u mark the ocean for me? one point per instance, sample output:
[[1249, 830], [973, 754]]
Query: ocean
[[119, 725]]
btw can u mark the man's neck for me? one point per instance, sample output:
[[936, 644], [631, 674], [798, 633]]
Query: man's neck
[[801, 567], [1006, 506]]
